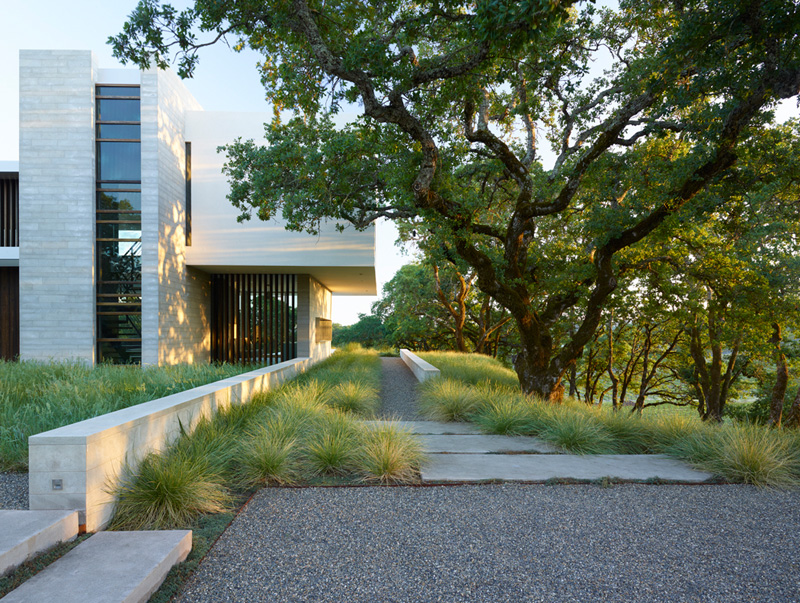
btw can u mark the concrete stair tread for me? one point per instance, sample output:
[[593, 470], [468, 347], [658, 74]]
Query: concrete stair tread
[[541, 467], [483, 444], [24, 534], [108, 567], [433, 427]]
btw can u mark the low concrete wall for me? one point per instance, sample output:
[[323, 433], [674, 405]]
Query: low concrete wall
[[75, 466], [422, 370]]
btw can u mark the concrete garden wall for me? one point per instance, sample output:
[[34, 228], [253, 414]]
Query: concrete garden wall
[[75, 466], [422, 370]]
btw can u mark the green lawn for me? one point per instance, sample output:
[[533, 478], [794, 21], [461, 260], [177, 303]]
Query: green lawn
[[39, 396]]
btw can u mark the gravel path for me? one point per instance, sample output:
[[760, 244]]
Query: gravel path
[[14, 491], [495, 543], [398, 391]]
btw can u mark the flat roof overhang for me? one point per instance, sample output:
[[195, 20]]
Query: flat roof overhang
[[342, 280]]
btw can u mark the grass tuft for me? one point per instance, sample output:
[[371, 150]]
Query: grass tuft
[[354, 396], [577, 431], [443, 399], [168, 491], [389, 454], [742, 453]]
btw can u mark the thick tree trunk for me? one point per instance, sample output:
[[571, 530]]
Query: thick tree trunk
[[781, 379], [538, 378]]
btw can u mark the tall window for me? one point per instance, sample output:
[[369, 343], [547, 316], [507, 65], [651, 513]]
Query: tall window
[[119, 225]]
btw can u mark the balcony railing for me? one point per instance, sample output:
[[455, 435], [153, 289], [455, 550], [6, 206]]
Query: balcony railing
[[9, 210]]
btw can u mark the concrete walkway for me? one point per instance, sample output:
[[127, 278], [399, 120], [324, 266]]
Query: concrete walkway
[[459, 453]]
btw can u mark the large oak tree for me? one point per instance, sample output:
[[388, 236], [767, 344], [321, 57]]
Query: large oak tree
[[458, 101]]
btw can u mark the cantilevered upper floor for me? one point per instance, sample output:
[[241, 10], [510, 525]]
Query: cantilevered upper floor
[[343, 261]]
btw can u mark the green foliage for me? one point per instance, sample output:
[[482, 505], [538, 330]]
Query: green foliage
[[507, 413], [368, 332], [471, 368], [577, 431], [743, 453], [442, 399], [355, 396], [287, 436], [167, 492], [668, 164], [37, 396], [389, 454]]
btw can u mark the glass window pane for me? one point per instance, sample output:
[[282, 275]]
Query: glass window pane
[[118, 91], [126, 131], [124, 290], [114, 109], [119, 261], [119, 200], [122, 326], [119, 161], [119, 231]]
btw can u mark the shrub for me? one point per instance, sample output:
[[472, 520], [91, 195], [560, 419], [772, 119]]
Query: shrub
[[576, 430], [354, 396], [506, 413], [334, 448], [168, 491], [389, 454], [742, 453], [447, 400]]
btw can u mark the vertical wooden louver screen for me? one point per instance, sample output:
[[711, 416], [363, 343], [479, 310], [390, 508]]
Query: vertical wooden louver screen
[[253, 318], [9, 211]]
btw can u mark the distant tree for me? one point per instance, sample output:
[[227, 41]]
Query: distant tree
[[368, 332]]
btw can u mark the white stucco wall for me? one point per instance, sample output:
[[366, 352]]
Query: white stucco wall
[[57, 196], [342, 262]]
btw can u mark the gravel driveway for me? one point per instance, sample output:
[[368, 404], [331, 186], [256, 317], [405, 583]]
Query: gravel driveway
[[493, 543]]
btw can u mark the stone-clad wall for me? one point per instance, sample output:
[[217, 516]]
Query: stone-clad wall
[[175, 300], [57, 239], [313, 301]]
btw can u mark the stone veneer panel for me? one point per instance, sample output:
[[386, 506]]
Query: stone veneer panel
[[57, 184], [175, 299], [314, 301]]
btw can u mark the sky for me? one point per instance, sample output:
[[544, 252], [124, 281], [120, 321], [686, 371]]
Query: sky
[[224, 81]]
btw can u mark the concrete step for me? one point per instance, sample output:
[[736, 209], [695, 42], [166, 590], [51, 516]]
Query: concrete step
[[485, 444], [109, 567], [442, 468], [24, 534]]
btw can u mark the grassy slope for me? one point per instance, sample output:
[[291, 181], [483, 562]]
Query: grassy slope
[[37, 397], [481, 390]]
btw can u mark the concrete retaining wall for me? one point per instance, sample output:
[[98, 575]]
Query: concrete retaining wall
[[422, 370], [75, 466]]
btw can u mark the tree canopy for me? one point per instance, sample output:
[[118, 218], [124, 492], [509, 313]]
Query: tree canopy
[[458, 101]]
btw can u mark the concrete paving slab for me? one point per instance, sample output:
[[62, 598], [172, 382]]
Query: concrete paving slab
[[434, 427], [109, 567], [535, 468], [483, 444], [24, 534]]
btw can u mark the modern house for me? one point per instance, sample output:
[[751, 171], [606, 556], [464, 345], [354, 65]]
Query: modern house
[[117, 242]]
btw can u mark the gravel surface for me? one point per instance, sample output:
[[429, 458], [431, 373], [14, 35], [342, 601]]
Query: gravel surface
[[398, 391], [14, 491], [493, 543]]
